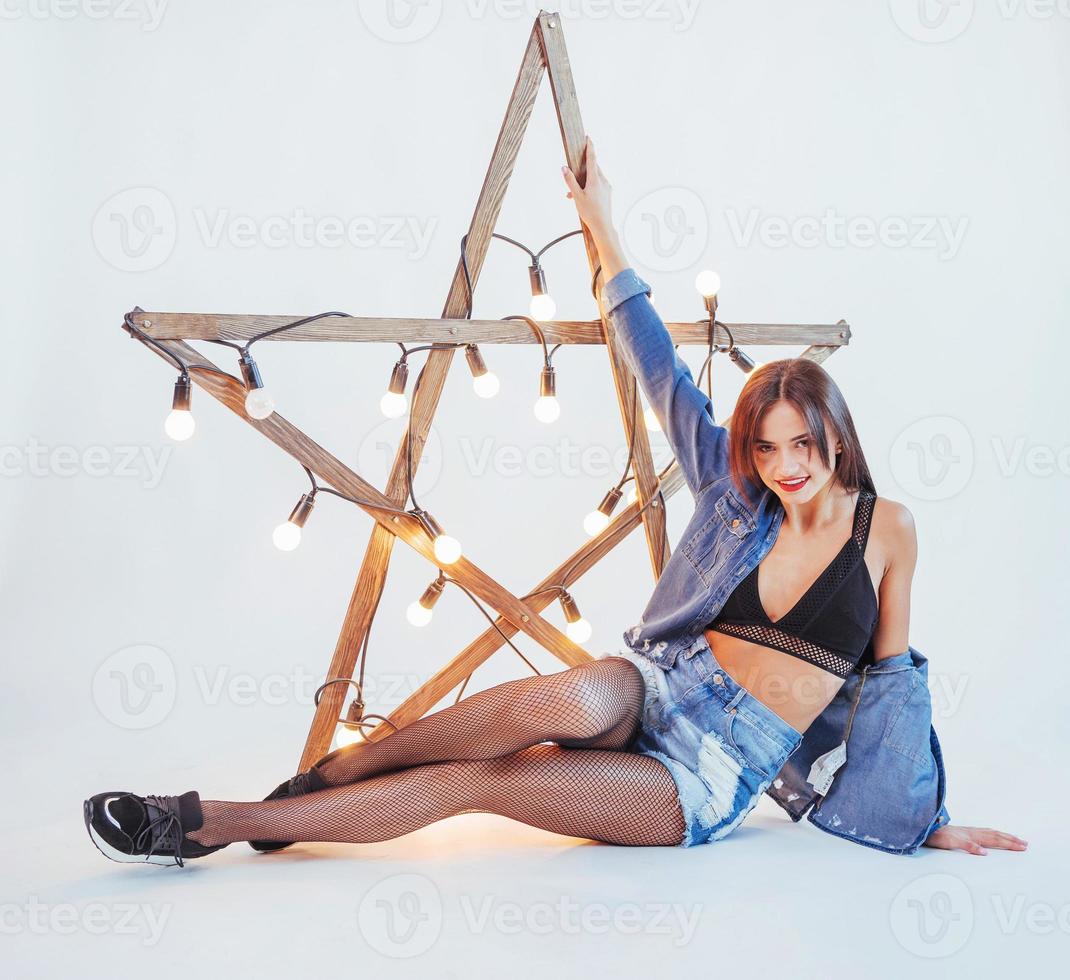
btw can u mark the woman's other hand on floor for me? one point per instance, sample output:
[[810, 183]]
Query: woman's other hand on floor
[[973, 840]]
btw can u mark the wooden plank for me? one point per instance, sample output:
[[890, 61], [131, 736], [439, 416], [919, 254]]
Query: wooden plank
[[551, 33], [238, 328], [432, 378]]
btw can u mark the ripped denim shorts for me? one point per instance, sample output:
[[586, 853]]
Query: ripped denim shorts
[[722, 746]]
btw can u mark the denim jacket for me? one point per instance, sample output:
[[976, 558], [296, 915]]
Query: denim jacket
[[890, 793]]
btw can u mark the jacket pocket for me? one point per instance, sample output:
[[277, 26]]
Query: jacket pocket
[[719, 537], [907, 731]]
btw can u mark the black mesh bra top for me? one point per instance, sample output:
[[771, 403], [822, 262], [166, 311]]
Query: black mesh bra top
[[832, 624]]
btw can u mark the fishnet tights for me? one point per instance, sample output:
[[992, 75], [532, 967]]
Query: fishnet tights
[[483, 755], [617, 797], [596, 705]]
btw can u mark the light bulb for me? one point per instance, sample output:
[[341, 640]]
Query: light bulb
[[418, 614], [708, 283], [486, 385], [579, 631], [447, 549], [286, 536], [547, 409], [259, 404], [344, 736], [179, 424], [595, 523], [651, 419], [633, 494], [393, 405], [542, 307]]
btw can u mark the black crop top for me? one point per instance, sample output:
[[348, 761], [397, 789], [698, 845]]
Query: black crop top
[[832, 624]]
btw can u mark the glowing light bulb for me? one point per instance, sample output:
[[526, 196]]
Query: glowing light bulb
[[418, 614], [447, 549], [595, 523], [259, 404], [179, 424], [286, 536], [486, 385], [633, 494], [393, 405], [708, 283], [543, 307], [547, 409], [579, 631], [651, 419], [344, 736]]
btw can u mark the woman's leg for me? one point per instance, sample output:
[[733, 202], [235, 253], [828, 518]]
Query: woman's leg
[[597, 705], [618, 797]]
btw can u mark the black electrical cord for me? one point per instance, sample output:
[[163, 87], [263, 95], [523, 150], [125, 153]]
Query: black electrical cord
[[183, 368]]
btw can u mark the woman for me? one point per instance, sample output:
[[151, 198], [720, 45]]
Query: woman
[[647, 748]]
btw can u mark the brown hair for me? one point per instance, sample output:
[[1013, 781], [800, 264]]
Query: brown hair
[[808, 387]]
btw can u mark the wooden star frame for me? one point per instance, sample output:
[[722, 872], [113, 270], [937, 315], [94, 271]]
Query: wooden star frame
[[545, 53]]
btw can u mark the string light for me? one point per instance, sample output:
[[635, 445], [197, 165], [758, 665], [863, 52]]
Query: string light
[[180, 424], [650, 419], [420, 610], [485, 383], [542, 305], [547, 407], [258, 402], [598, 520], [577, 628], [447, 549], [393, 404], [708, 283], [287, 536]]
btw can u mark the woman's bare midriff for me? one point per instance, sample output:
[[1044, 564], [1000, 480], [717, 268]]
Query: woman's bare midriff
[[795, 690]]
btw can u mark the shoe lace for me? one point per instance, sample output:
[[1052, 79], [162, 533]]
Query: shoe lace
[[164, 831]]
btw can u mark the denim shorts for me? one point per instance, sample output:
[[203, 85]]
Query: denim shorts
[[722, 746]]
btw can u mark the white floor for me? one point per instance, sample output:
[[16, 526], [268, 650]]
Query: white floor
[[480, 895]]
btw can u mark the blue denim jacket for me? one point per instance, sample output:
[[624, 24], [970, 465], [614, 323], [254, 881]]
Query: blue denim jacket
[[890, 793]]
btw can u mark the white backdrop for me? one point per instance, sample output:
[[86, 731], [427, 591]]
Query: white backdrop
[[900, 165]]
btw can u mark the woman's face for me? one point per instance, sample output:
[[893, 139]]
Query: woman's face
[[784, 457]]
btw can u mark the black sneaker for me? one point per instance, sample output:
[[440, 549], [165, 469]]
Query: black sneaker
[[146, 829], [304, 782]]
